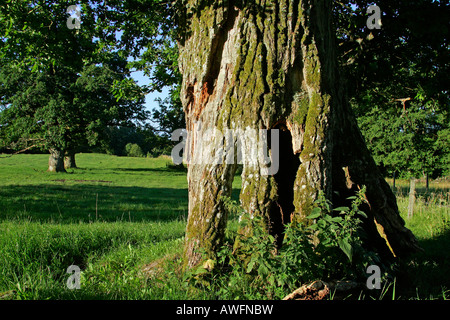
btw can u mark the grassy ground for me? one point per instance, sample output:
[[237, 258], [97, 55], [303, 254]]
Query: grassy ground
[[114, 216], [426, 274]]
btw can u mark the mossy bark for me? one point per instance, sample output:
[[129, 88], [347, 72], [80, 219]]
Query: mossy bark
[[267, 64]]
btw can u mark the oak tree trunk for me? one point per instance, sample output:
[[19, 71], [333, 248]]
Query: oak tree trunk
[[56, 161], [268, 64], [69, 160]]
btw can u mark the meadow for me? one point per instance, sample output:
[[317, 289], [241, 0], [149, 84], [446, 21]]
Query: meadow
[[122, 221]]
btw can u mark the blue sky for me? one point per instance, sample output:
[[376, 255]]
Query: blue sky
[[150, 98], [143, 80]]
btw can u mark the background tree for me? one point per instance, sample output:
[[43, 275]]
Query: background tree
[[57, 83], [148, 35], [398, 79], [155, 52]]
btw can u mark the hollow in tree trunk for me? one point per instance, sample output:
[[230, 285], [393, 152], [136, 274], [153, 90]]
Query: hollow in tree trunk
[[56, 161], [69, 160], [272, 64]]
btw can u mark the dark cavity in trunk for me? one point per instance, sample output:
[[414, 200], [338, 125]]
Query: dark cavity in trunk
[[281, 210]]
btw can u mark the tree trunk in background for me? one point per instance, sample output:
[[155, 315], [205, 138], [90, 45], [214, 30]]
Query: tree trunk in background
[[412, 197], [69, 160], [56, 161], [272, 64]]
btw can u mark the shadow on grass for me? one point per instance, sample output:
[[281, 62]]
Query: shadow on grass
[[426, 273], [168, 168], [88, 203]]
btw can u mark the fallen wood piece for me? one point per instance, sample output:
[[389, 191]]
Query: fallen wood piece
[[7, 295], [318, 290]]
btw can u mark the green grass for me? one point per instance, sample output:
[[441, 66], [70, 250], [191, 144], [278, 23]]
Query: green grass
[[116, 215], [110, 209], [426, 273], [103, 188]]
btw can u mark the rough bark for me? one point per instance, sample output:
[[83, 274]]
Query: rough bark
[[69, 160], [56, 161], [271, 64]]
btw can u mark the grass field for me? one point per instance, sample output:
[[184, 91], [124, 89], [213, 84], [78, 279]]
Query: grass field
[[115, 215]]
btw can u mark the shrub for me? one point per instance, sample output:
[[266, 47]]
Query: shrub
[[133, 150], [328, 248]]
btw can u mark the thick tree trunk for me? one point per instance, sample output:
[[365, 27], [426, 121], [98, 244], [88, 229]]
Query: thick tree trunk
[[56, 161], [69, 160], [271, 65]]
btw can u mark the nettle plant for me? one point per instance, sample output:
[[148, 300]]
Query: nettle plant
[[327, 247]]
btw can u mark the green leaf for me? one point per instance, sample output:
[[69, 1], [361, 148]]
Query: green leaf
[[35, 67], [342, 209], [263, 270], [362, 214], [271, 280], [315, 213], [346, 248], [250, 265], [313, 227], [337, 219], [322, 224], [200, 270], [325, 242], [11, 22]]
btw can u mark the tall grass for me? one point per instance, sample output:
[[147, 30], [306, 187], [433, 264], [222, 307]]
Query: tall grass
[[35, 256], [424, 275]]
